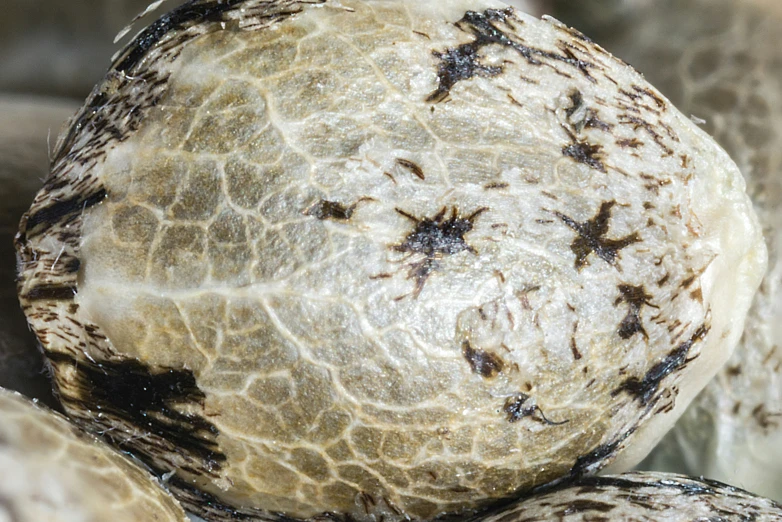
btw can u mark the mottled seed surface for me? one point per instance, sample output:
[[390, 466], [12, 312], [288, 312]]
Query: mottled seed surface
[[24, 162], [381, 258], [723, 64]]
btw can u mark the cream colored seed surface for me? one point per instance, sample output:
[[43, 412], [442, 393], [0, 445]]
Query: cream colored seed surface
[[377, 293], [53, 471], [726, 68]]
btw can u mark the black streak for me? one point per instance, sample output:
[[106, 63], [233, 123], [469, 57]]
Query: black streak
[[691, 487], [193, 11], [644, 389], [584, 506], [72, 265], [149, 399], [60, 209], [50, 293], [586, 464], [212, 508], [412, 167]]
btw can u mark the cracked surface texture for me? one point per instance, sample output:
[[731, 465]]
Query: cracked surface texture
[[723, 63], [55, 472], [642, 496], [381, 258]]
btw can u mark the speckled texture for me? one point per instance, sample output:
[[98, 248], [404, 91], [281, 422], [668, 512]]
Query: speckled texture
[[642, 497], [54, 472], [369, 258], [25, 123], [722, 62]]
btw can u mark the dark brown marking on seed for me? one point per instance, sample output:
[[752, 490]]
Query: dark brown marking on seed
[[651, 94], [666, 407], [487, 364], [687, 486], [645, 389], [464, 61], [591, 237], [576, 102], [592, 461], [144, 399], [654, 185], [632, 143], [419, 33], [770, 354], [106, 106], [460, 63], [592, 121], [634, 96], [583, 505], [334, 210], [635, 297], [50, 292], [573, 345], [59, 210], [639, 123], [686, 283], [412, 167], [191, 12], [71, 265], [733, 371], [528, 80], [330, 210], [574, 348], [516, 410], [496, 185], [576, 34], [583, 119], [586, 153], [766, 419], [435, 238]]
